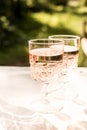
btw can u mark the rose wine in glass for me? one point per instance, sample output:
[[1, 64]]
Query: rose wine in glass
[[44, 63]]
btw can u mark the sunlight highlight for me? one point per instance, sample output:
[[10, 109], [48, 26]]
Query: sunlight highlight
[[48, 19]]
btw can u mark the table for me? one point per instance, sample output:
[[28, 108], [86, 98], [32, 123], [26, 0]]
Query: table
[[17, 88]]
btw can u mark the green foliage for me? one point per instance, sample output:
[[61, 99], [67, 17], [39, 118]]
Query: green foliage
[[20, 22], [82, 60], [39, 5], [10, 12], [59, 2], [16, 55], [85, 3]]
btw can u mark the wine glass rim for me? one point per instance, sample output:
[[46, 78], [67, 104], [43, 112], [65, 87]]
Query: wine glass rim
[[45, 41], [64, 36]]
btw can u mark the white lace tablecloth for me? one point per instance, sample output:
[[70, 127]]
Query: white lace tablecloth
[[17, 90]]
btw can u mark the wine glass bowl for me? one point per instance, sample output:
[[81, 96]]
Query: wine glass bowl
[[71, 49], [45, 58]]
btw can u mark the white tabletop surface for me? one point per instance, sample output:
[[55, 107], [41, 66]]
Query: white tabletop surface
[[18, 88]]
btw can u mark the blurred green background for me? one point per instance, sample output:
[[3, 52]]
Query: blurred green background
[[21, 20]]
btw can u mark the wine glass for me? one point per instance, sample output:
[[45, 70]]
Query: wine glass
[[71, 52], [46, 59]]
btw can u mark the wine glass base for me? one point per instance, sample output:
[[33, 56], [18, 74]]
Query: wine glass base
[[64, 92], [45, 106]]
